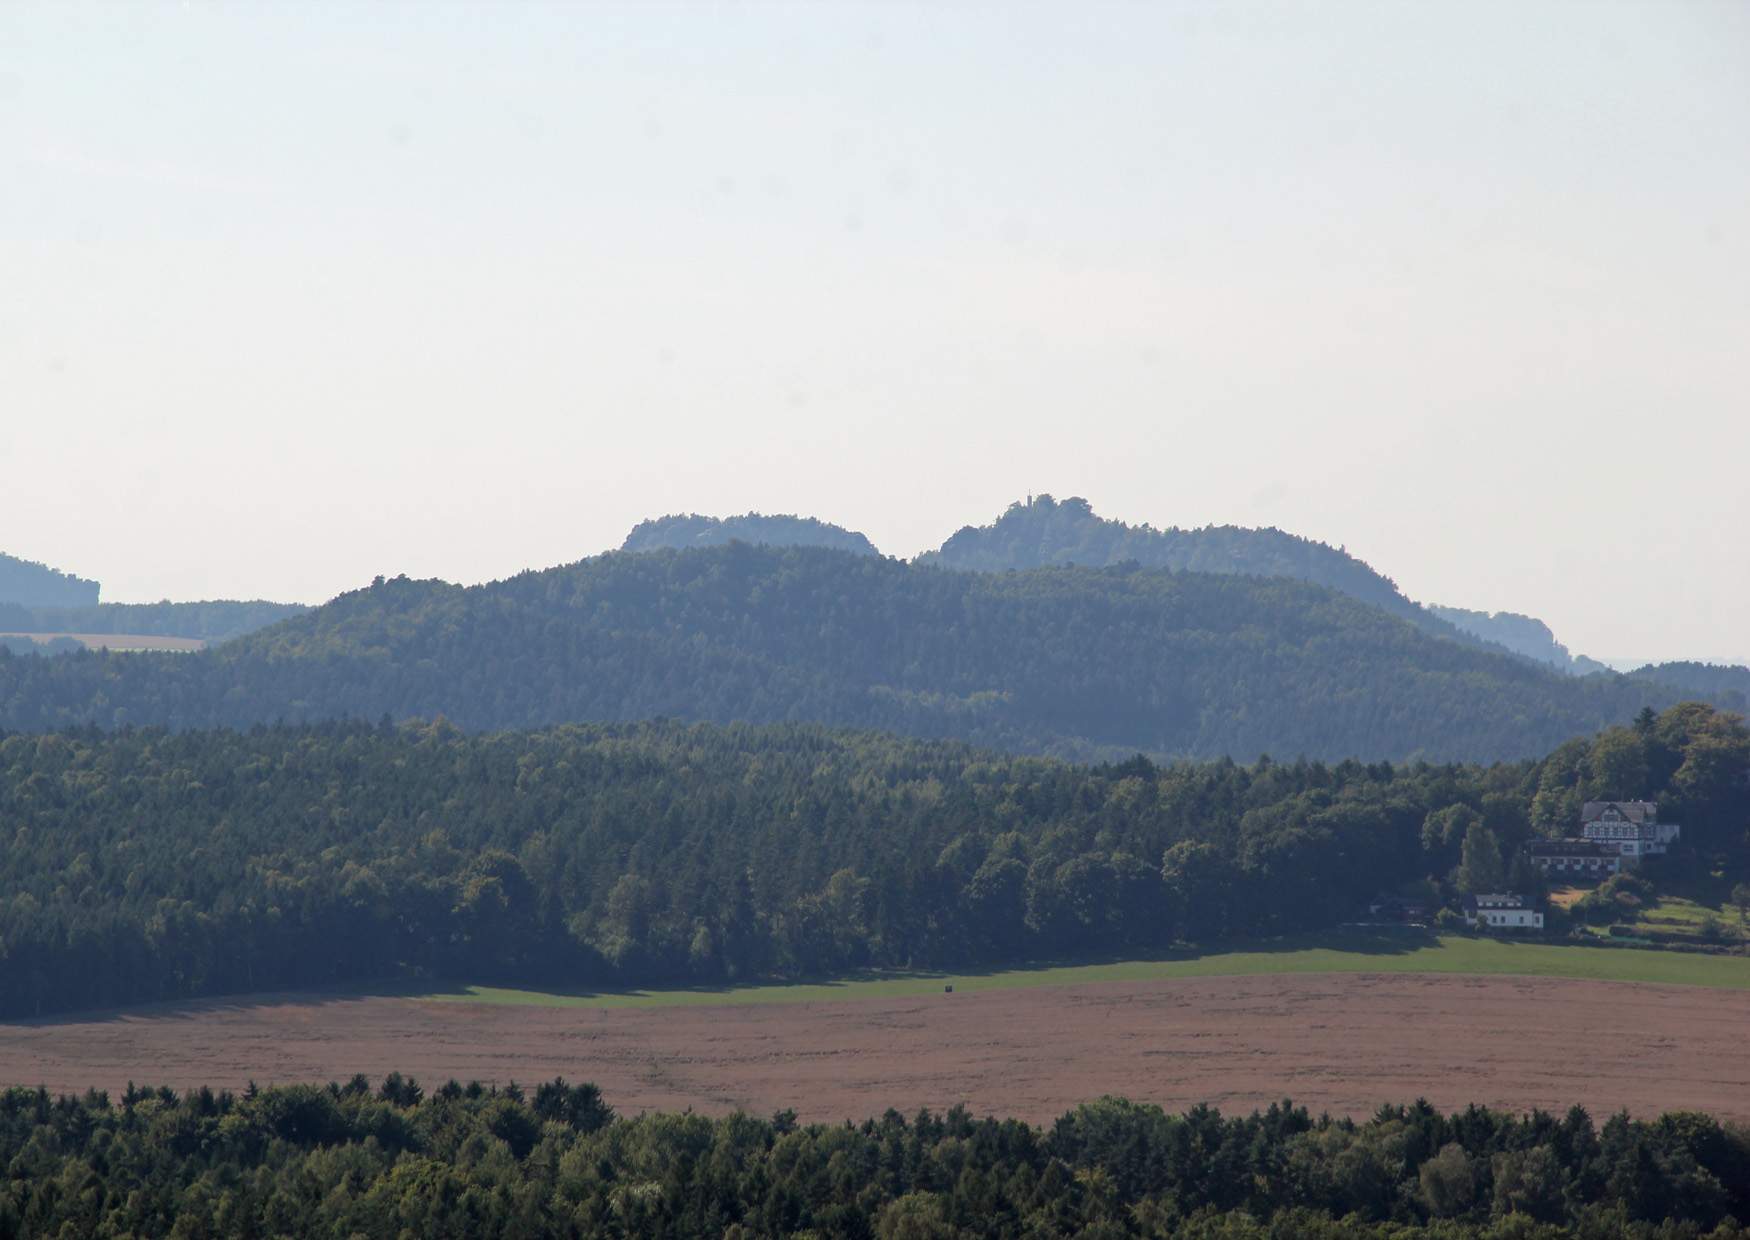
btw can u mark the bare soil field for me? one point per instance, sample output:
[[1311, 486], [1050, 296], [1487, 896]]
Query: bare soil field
[[1341, 1043]]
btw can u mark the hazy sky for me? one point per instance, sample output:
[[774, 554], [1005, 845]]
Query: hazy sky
[[291, 295]]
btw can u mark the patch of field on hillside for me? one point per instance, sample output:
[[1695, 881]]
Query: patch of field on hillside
[[118, 641], [1390, 953]]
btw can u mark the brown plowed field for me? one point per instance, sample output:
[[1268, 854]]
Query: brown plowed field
[[1337, 1042]]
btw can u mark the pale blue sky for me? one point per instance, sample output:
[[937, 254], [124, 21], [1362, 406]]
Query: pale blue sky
[[291, 295]]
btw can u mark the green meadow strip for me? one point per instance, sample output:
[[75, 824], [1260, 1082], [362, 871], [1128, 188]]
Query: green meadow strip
[[1386, 954]]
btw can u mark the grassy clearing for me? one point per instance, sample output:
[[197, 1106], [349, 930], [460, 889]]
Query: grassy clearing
[[1676, 913], [1405, 953]]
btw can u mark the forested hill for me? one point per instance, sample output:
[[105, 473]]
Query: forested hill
[[1044, 531], [682, 532], [1069, 661], [37, 585]]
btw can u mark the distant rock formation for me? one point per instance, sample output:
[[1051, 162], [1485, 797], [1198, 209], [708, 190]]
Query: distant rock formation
[[1524, 635], [37, 585], [692, 530], [1043, 531]]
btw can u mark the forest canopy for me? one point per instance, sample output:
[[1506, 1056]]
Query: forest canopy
[[397, 1159], [146, 865]]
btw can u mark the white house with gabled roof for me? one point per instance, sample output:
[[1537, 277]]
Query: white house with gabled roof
[[1630, 829], [1501, 911]]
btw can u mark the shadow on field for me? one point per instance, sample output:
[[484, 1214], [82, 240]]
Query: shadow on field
[[1368, 941], [207, 1005], [1371, 941], [1364, 941]]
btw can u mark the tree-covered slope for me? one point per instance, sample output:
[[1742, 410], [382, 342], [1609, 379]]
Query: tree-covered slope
[[144, 865], [1727, 684], [1073, 661], [678, 533], [37, 585]]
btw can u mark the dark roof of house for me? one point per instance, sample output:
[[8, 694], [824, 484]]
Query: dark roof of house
[[1631, 811], [1496, 900]]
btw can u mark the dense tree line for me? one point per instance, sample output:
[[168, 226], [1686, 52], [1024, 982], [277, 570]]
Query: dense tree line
[[214, 621], [37, 585], [682, 532], [146, 865], [24, 643], [466, 1161], [1726, 684], [1082, 663]]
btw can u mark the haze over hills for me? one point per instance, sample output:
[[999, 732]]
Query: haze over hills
[[1019, 879], [1038, 532], [1043, 531], [41, 608], [1069, 661], [213, 620]]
